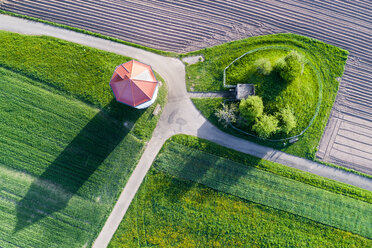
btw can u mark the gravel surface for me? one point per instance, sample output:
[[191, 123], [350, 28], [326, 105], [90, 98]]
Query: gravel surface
[[187, 25]]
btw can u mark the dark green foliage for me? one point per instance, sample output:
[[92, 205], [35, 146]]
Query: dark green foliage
[[263, 66], [251, 108], [287, 121], [301, 95], [265, 126]]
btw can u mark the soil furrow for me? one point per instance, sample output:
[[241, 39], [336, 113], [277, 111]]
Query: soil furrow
[[85, 18]]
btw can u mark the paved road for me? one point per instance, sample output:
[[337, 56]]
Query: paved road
[[179, 116], [188, 25]]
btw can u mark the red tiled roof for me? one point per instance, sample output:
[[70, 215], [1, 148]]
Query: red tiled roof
[[129, 90]]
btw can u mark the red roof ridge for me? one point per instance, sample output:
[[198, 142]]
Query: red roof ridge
[[143, 81], [148, 97]]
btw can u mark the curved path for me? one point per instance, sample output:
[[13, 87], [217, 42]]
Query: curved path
[[179, 116]]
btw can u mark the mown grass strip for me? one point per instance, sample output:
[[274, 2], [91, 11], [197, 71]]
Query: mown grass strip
[[153, 50], [266, 188], [275, 168]]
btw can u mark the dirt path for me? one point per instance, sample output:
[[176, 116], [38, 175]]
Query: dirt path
[[179, 116], [187, 25]]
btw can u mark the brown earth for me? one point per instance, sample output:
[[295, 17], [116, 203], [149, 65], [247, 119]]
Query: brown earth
[[187, 25]]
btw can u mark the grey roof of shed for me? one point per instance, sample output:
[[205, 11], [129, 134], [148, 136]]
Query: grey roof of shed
[[244, 90]]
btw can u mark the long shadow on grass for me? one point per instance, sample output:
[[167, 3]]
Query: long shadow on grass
[[73, 167], [207, 167]]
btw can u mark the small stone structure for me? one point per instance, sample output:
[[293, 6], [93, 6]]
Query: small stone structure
[[193, 59], [242, 91]]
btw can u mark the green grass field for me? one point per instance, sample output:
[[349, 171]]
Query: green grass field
[[328, 60], [63, 161], [266, 188], [172, 208]]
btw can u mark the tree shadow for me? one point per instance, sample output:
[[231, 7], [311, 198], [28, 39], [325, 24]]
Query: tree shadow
[[63, 178], [269, 86]]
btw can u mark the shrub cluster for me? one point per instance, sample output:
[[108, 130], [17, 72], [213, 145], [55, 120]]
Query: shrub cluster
[[252, 110], [287, 120], [290, 67], [266, 125]]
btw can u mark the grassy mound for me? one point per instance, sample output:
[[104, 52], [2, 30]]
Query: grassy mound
[[170, 211], [63, 162], [301, 95], [327, 60]]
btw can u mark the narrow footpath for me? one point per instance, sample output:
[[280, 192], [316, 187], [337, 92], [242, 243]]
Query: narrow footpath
[[179, 117]]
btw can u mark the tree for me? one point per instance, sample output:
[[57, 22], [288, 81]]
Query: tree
[[263, 66], [227, 114], [251, 108], [265, 126], [287, 120], [290, 67]]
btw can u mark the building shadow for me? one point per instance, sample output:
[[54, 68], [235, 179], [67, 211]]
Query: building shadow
[[215, 167], [63, 178]]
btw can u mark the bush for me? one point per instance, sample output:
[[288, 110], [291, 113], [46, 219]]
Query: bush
[[251, 108], [287, 121], [263, 66], [290, 67], [265, 126], [227, 114]]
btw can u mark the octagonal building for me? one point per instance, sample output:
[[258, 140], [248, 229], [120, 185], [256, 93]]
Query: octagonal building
[[134, 83]]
